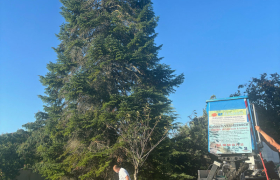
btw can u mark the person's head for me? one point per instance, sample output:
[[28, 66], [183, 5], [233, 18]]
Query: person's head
[[116, 168]]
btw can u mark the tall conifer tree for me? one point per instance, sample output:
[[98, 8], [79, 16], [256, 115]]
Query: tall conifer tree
[[107, 67]]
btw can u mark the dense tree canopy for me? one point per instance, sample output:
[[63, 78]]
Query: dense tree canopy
[[10, 160], [107, 72]]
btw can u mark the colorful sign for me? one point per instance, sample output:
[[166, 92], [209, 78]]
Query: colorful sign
[[229, 126], [230, 138], [227, 116]]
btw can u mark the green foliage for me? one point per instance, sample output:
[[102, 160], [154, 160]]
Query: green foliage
[[180, 157], [107, 67], [158, 165], [10, 161], [142, 125], [190, 151], [264, 92]]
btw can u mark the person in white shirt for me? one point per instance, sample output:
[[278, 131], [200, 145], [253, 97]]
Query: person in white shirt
[[123, 174]]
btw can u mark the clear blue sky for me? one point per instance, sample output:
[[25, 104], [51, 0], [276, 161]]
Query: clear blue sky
[[217, 45]]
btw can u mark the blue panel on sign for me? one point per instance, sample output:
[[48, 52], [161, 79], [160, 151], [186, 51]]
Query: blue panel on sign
[[227, 105]]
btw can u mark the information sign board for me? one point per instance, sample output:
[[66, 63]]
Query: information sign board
[[228, 127]]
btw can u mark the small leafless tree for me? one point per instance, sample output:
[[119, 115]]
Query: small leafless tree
[[139, 131]]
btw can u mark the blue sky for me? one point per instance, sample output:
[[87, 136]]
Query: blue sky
[[217, 44]]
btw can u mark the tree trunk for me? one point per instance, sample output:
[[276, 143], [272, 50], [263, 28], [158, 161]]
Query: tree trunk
[[135, 172]]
